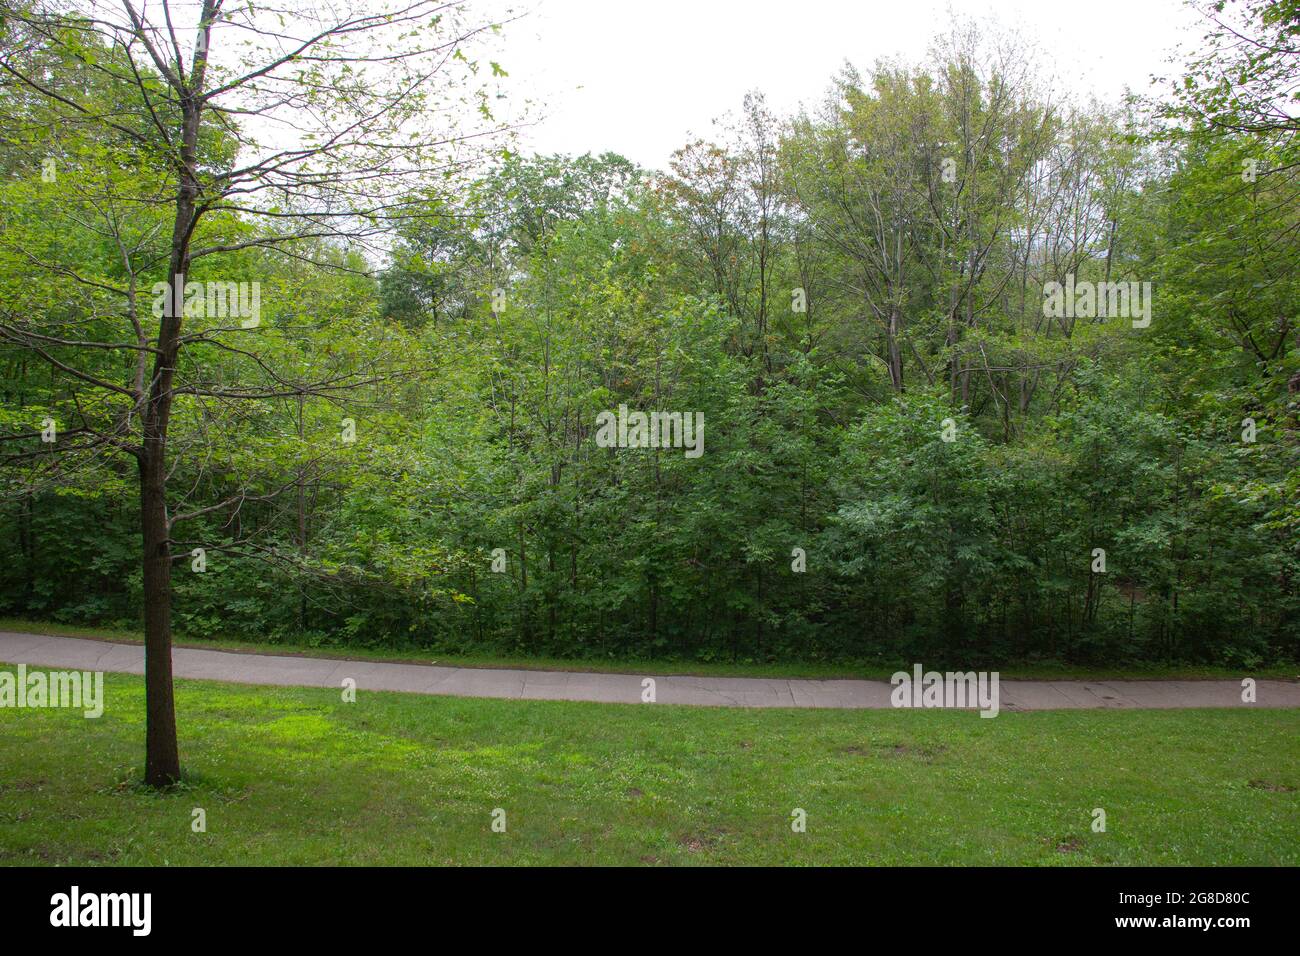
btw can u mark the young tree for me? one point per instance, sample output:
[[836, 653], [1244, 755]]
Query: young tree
[[245, 129]]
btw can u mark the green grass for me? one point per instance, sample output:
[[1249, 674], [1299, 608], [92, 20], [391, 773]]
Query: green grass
[[296, 776], [1048, 670]]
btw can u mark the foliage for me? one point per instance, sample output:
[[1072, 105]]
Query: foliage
[[946, 455]]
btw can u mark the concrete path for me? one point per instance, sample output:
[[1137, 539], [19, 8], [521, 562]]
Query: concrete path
[[78, 654]]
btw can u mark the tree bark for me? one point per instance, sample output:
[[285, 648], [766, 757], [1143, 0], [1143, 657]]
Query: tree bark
[[895, 351], [162, 758]]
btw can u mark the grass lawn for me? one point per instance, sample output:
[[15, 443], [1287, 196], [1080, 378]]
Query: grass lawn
[[296, 776], [1047, 670]]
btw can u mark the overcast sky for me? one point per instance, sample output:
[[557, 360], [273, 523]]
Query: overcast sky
[[638, 77]]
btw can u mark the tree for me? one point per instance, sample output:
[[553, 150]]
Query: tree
[[1245, 78], [244, 130]]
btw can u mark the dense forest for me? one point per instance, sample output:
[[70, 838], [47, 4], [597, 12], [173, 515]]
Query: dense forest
[[982, 374]]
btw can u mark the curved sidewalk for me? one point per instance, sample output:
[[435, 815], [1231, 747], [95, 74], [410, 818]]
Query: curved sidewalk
[[1016, 695]]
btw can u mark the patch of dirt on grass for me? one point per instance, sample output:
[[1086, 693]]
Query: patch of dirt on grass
[[699, 842], [924, 754], [907, 750], [1271, 787], [1065, 844], [1069, 845]]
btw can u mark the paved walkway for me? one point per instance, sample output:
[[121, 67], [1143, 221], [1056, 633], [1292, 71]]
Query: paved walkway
[[78, 654]]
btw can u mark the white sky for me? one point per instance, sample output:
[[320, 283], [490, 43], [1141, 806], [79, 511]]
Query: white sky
[[638, 76]]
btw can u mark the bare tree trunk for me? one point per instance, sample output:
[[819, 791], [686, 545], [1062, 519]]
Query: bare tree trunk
[[302, 525], [895, 351], [162, 759]]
